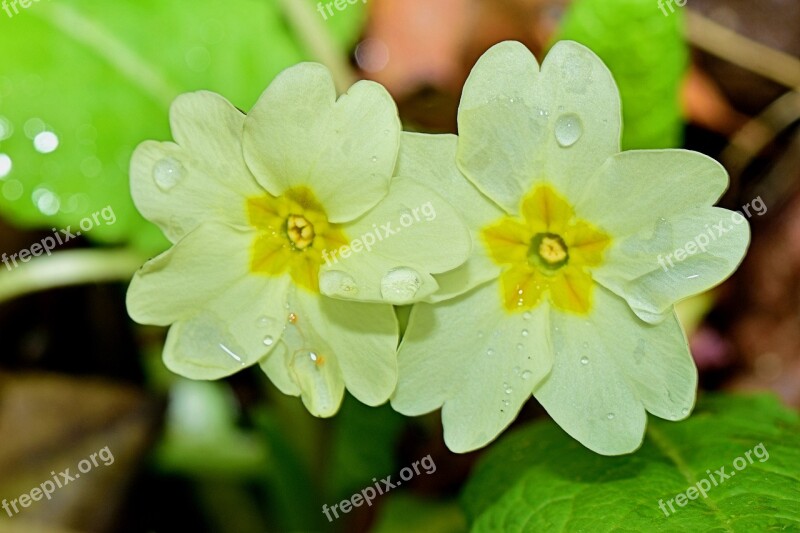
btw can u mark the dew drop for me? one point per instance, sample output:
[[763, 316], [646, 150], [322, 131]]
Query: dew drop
[[231, 353], [584, 360], [520, 347], [525, 333], [400, 285], [506, 403], [5, 165], [516, 370], [45, 142], [508, 390], [490, 352], [316, 379], [526, 316], [6, 128], [569, 129], [268, 340], [337, 283], [610, 416], [684, 411], [374, 159], [167, 173], [527, 374]]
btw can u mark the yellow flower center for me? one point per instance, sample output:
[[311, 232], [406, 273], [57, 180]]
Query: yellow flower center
[[300, 231], [548, 252], [293, 232]]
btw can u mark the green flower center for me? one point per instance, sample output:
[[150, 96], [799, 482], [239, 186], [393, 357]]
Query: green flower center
[[299, 231], [548, 251]]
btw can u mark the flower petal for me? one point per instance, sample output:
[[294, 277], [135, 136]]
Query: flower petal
[[276, 367], [431, 161], [223, 318], [519, 126], [395, 248], [646, 268], [609, 368], [572, 290], [645, 185], [470, 356], [179, 186], [358, 340], [299, 135]]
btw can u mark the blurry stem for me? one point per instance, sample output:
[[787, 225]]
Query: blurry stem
[[75, 267], [113, 50], [737, 49], [318, 41]]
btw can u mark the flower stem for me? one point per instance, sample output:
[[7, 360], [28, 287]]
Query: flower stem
[[318, 41], [75, 267]]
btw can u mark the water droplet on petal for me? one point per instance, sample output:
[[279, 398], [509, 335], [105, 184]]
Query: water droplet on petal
[[490, 352], [569, 129], [374, 159], [400, 285], [684, 411], [316, 378], [584, 360], [167, 173], [527, 374], [337, 283], [506, 403], [231, 353], [516, 370], [520, 347], [268, 340], [610, 416], [525, 333], [526, 316]]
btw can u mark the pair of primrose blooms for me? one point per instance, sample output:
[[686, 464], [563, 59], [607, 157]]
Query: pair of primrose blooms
[[538, 275]]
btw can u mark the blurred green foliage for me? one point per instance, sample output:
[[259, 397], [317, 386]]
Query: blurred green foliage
[[648, 56], [101, 76]]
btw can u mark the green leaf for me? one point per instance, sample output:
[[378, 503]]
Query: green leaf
[[538, 479], [646, 53], [364, 443], [101, 76], [403, 513]]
